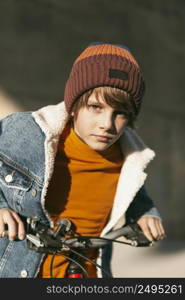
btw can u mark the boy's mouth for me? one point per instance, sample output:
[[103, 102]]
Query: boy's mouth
[[102, 138]]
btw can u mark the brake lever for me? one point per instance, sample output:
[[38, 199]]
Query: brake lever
[[137, 237], [42, 238]]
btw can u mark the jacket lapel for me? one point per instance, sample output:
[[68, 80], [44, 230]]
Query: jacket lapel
[[132, 176], [52, 120]]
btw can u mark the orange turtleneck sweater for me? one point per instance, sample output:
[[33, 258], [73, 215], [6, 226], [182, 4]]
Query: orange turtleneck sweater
[[82, 190]]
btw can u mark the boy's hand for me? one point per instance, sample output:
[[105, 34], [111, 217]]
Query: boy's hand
[[152, 228], [15, 226]]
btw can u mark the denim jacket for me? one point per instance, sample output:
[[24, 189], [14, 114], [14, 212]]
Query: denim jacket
[[28, 145]]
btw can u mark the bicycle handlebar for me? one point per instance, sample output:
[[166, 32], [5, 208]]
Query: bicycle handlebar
[[44, 239]]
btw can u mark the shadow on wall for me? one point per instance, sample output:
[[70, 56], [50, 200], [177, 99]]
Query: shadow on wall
[[7, 104]]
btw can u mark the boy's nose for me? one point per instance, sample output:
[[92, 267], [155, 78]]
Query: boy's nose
[[106, 121]]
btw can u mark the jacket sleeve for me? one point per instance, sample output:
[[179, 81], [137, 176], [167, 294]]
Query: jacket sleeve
[[142, 205], [3, 202]]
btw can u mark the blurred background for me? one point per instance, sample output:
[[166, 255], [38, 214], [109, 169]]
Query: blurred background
[[39, 40]]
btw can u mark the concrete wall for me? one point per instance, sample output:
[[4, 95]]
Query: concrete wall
[[41, 38]]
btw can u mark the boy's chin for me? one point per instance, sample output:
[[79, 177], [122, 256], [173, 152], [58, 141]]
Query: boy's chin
[[100, 147]]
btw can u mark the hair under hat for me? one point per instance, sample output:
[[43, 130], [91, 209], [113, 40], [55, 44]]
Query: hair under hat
[[103, 64]]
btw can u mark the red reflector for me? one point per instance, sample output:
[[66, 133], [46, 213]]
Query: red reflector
[[77, 275]]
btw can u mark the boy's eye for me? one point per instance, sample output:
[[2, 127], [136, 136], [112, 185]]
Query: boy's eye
[[95, 106]]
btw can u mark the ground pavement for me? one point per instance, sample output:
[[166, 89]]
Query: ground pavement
[[165, 259]]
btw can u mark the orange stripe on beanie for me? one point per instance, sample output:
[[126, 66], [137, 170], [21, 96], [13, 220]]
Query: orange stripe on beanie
[[103, 64]]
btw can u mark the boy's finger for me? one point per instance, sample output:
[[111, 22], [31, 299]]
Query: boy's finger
[[12, 228], [154, 228], [20, 227], [161, 230], [146, 231], [2, 227]]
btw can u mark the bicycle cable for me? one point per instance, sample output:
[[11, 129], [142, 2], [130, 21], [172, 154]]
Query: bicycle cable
[[51, 265], [86, 258], [92, 262], [102, 238], [68, 258]]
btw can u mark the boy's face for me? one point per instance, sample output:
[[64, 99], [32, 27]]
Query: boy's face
[[98, 124]]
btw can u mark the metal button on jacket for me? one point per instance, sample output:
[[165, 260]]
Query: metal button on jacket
[[9, 178], [24, 273], [33, 192]]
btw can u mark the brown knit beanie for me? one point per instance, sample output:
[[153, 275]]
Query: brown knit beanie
[[103, 64]]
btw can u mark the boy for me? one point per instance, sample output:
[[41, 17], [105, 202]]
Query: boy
[[80, 160]]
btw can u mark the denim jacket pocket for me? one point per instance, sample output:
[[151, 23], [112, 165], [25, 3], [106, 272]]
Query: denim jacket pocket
[[14, 183], [11, 177]]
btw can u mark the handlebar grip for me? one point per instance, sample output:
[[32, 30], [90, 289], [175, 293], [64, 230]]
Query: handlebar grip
[[131, 232], [137, 236]]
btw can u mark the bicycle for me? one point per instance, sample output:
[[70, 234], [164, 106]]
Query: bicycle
[[62, 239]]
